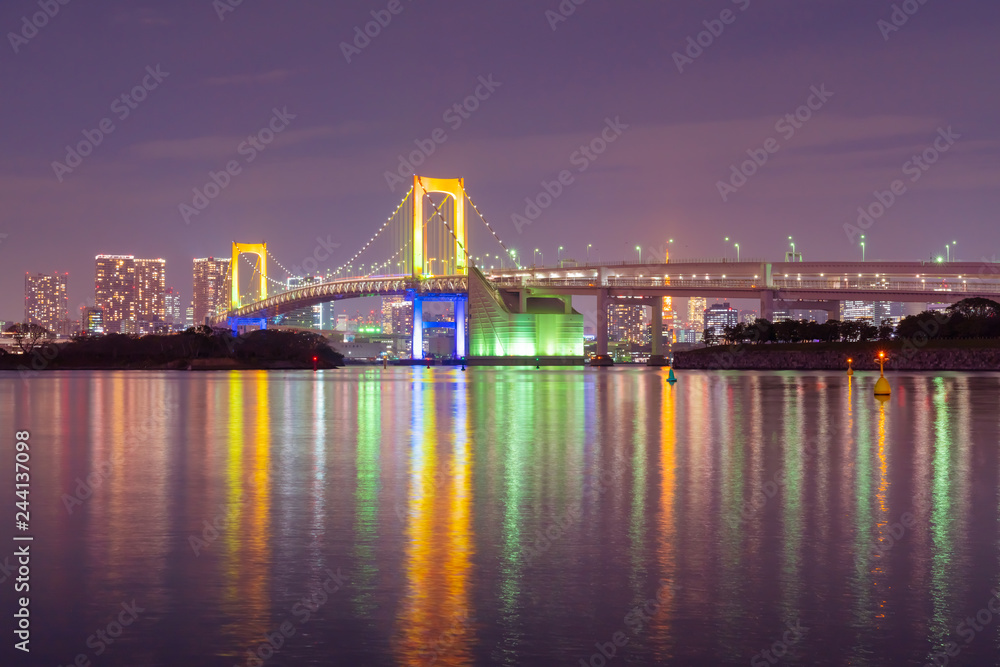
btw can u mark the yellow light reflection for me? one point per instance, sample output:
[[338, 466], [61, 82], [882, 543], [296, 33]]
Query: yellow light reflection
[[662, 631], [434, 622]]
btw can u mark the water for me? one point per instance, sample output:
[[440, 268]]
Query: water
[[695, 524]]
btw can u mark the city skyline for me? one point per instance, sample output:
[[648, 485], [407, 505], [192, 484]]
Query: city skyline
[[694, 114]]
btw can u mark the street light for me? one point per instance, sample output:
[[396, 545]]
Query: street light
[[588, 252], [737, 251], [947, 247], [862, 247], [559, 254], [639, 250], [538, 252]]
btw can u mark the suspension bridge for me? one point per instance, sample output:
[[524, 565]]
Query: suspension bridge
[[502, 309]]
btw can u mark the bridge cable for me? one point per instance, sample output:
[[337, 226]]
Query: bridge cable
[[376, 235], [488, 226]]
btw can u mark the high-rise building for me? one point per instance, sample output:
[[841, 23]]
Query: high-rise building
[[402, 318], [46, 302], [388, 302], [696, 313], [211, 293], [310, 317], [114, 290], [172, 306], [150, 290], [92, 320], [718, 316], [857, 310], [189, 316], [625, 321]]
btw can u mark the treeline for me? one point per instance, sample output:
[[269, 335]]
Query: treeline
[[127, 351], [969, 318]]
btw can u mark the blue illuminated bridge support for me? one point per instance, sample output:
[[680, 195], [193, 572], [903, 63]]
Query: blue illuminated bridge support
[[241, 325], [460, 304]]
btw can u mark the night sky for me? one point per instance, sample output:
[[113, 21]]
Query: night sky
[[220, 81]]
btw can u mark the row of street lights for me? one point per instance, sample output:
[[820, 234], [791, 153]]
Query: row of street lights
[[791, 242]]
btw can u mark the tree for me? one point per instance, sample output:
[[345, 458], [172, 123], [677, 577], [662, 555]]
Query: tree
[[762, 331], [27, 335], [709, 337], [830, 331], [975, 308], [885, 332], [867, 332]]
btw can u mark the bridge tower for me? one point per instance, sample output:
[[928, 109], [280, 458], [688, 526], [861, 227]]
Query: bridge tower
[[236, 301], [454, 188], [259, 249]]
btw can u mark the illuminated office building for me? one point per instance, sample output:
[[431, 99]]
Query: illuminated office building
[[388, 305], [718, 316], [150, 290], [310, 317], [696, 313], [46, 302], [626, 321], [211, 295], [172, 306], [114, 290]]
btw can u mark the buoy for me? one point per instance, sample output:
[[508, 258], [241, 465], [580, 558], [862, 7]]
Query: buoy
[[882, 387], [670, 377], [850, 370]]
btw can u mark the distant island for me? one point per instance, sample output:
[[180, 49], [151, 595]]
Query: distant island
[[965, 336], [198, 348]]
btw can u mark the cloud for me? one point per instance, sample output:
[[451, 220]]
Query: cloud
[[144, 16], [270, 76], [224, 147]]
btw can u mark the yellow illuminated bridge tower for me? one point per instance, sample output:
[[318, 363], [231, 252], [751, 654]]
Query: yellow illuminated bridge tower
[[422, 265]]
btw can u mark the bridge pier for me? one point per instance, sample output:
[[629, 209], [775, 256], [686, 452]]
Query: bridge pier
[[767, 305], [656, 357], [602, 358], [460, 304]]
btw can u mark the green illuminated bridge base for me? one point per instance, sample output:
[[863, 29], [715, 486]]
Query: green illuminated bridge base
[[513, 328]]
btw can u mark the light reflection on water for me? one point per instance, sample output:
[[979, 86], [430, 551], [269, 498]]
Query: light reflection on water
[[510, 516]]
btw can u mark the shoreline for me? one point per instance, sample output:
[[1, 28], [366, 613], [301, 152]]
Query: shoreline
[[906, 355]]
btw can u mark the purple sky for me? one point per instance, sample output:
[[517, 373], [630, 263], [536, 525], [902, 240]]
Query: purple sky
[[324, 174]]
